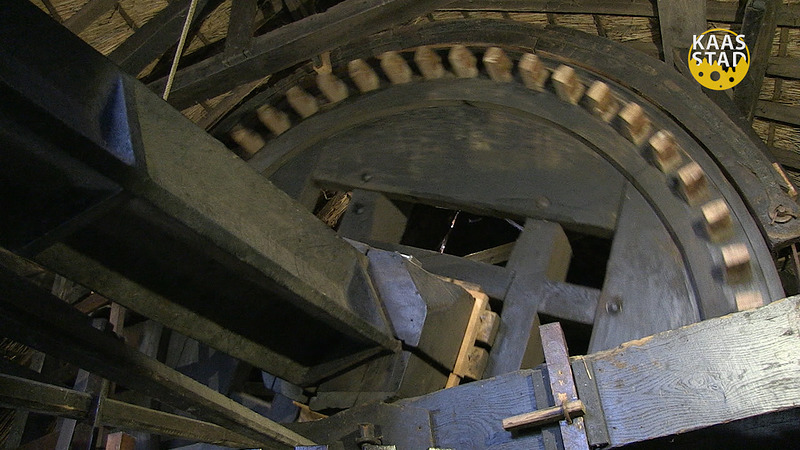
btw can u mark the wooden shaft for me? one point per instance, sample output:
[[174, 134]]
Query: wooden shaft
[[541, 417]]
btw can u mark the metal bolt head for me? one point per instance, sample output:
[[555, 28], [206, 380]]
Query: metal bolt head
[[614, 305]]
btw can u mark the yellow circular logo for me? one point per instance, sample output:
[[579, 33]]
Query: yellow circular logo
[[719, 59]]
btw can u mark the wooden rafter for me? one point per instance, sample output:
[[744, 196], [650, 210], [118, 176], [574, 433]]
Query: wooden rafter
[[291, 44]]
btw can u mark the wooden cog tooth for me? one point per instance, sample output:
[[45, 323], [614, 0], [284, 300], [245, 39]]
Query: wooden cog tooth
[[277, 121], [249, 140], [334, 89], [635, 124], [463, 62], [533, 72], [498, 64], [736, 261], [749, 300], [666, 151], [692, 183], [396, 68], [429, 63], [601, 101], [302, 102], [363, 76], [568, 87], [717, 220]]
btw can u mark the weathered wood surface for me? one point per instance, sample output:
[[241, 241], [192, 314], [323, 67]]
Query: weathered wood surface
[[644, 292], [483, 160], [371, 216], [717, 11], [34, 317], [784, 66], [715, 371], [542, 253], [679, 21], [470, 416], [291, 44], [778, 112], [758, 28]]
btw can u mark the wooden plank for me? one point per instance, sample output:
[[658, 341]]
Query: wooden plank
[[715, 371], [88, 13], [787, 158], [717, 11], [462, 360], [630, 308], [469, 417], [778, 112], [492, 255], [36, 318], [494, 280], [568, 301], [372, 217], [155, 37], [507, 169], [291, 44], [679, 21], [758, 27], [240, 28], [228, 103], [784, 67], [542, 252]]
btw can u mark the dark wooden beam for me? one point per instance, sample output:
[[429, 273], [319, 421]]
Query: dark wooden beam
[[58, 401], [778, 112], [542, 253], [784, 67], [717, 11], [90, 12], [787, 158], [679, 21], [291, 44], [758, 27], [240, 28], [37, 318], [154, 38]]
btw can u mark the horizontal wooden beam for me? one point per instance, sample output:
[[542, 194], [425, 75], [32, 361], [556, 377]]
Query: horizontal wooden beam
[[778, 112], [33, 316], [712, 372], [47, 399], [291, 44], [717, 11], [784, 67], [90, 12], [787, 158]]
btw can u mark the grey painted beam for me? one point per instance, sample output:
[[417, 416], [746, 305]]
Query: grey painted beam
[[712, 372], [241, 27], [679, 21], [291, 44], [88, 13]]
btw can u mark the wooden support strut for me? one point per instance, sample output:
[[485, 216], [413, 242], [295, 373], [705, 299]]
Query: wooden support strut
[[481, 328]]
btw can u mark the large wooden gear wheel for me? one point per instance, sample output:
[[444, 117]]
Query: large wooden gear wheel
[[516, 121]]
